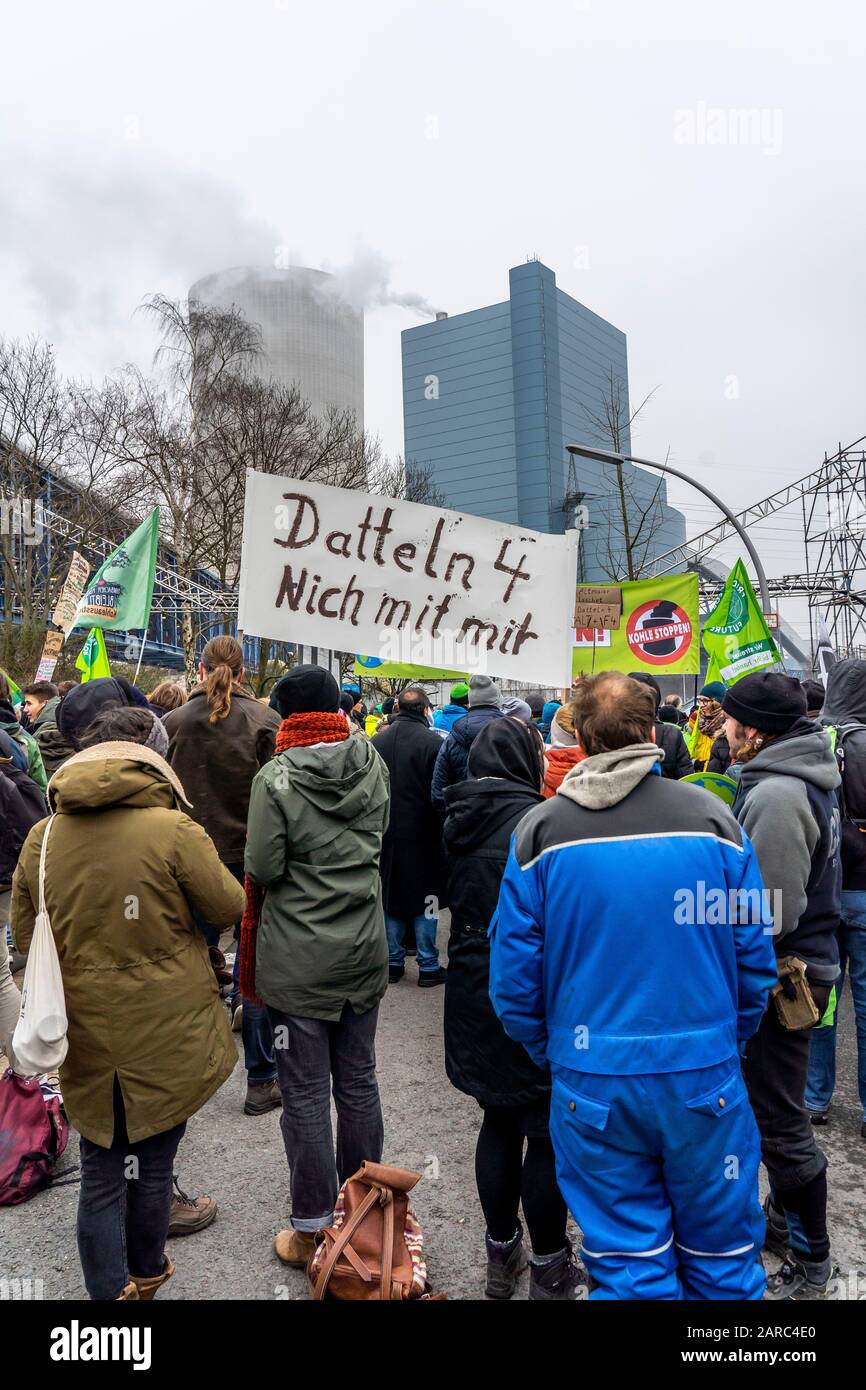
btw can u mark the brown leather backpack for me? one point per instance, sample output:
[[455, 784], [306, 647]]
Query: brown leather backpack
[[374, 1250]]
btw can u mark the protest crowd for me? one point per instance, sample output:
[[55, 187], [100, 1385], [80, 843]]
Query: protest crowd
[[639, 990]]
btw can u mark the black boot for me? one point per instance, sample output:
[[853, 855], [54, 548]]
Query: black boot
[[505, 1261], [776, 1237], [558, 1279], [802, 1281]]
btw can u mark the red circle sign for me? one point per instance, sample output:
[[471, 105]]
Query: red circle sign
[[661, 639]]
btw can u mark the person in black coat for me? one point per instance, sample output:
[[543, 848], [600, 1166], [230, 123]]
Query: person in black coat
[[676, 762], [506, 770], [411, 866], [720, 755]]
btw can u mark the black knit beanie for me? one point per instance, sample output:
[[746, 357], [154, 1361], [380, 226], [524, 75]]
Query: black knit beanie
[[767, 701], [306, 690], [646, 679]]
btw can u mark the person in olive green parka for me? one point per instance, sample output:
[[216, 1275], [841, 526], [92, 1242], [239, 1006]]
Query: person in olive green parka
[[149, 1041]]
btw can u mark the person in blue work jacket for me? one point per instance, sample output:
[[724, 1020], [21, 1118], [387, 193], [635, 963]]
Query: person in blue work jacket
[[631, 953]]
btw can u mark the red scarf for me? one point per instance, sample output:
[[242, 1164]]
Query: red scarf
[[298, 731]]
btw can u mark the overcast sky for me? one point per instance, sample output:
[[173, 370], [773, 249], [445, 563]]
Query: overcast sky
[[145, 145]]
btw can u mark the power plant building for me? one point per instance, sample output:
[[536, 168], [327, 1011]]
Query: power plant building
[[310, 336], [492, 397]]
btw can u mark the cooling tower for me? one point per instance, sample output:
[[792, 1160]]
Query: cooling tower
[[309, 336]]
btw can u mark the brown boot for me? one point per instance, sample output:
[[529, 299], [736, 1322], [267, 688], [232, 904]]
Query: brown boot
[[262, 1097], [190, 1214], [224, 977], [294, 1247], [129, 1293], [147, 1287]]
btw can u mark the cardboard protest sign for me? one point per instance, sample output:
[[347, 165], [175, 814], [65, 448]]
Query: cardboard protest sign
[[404, 582], [598, 606], [70, 594], [50, 655]]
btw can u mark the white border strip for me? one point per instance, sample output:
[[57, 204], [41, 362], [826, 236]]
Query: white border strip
[[624, 839]]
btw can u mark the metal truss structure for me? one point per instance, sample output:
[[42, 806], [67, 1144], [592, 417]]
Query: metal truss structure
[[834, 527], [833, 502], [172, 594]]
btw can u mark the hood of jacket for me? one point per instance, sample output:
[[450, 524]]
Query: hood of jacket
[[478, 807], [605, 779], [560, 760], [47, 716], [464, 730], [803, 752], [8, 718], [329, 785], [114, 774], [846, 693]]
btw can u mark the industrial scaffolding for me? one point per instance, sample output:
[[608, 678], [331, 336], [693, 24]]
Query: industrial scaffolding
[[833, 502], [834, 529]]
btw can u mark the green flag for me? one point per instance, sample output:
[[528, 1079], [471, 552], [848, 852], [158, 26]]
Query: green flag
[[93, 658], [735, 635], [119, 594], [14, 691]]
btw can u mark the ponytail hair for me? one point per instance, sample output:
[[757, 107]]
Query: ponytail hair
[[223, 661]]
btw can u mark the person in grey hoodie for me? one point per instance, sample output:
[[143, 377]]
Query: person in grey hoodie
[[786, 803], [844, 715]]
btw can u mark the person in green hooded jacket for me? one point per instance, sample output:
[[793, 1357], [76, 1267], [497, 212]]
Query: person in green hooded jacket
[[10, 724], [318, 812]]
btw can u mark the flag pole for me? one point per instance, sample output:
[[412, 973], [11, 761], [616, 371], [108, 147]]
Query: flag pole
[[140, 655]]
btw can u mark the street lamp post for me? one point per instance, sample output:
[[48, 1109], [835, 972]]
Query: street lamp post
[[609, 456]]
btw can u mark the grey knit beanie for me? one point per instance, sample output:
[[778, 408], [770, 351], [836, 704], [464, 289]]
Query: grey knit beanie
[[157, 739], [484, 691]]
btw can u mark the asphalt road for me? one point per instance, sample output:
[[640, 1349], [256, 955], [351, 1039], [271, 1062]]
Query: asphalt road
[[429, 1126]]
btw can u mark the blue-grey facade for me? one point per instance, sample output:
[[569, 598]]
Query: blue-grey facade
[[492, 397]]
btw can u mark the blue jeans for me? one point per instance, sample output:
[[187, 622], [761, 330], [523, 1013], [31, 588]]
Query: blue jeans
[[256, 1032], [425, 940], [123, 1208], [822, 1054]]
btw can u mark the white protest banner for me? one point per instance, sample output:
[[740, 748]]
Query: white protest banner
[[423, 585]]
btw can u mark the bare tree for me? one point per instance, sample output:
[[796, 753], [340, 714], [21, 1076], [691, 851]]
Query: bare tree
[[269, 427], [632, 520], [163, 425], [409, 481], [53, 458]]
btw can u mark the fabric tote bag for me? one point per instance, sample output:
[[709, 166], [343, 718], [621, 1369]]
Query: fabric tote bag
[[39, 1041]]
